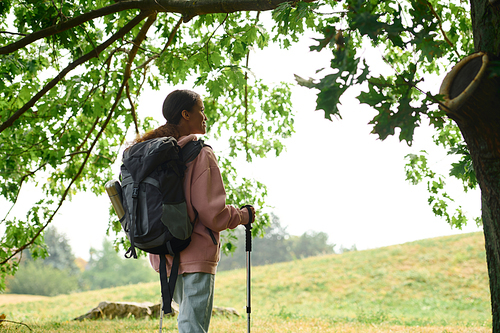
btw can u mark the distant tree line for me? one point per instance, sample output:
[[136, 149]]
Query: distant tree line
[[278, 245], [59, 274]]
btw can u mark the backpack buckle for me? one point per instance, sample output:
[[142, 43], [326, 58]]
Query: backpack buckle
[[135, 192]]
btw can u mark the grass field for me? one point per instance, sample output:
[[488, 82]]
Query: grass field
[[434, 285]]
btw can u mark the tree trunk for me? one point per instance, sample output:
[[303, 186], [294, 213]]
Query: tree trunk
[[482, 137], [472, 100]]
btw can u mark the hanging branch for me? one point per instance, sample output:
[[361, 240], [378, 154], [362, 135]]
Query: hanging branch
[[169, 41], [245, 102], [141, 36], [246, 96], [92, 54], [172, 34], [23, 178], [441, 28]]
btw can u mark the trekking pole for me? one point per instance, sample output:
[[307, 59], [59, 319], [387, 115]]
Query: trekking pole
[[248, 245], [161, 314], [248, 231]]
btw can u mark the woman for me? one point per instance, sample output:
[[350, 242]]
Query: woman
[[206, 203]]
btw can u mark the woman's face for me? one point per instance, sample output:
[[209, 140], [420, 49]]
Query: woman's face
[[198, 119]]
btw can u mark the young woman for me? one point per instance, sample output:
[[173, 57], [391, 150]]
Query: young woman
[[206, 199]]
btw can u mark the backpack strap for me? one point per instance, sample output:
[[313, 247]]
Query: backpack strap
[[168, 284], [131, 250], [191, 150]]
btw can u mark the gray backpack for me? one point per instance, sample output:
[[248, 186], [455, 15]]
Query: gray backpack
[[152, 194]]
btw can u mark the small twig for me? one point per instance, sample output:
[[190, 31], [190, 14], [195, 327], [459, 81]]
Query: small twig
[[77, 153], [132, 108], [172, 34], [332, 13], [15, 322], [140, 47], [413, 85], [441, 28], [59, 11], [144, 77], [209, 38], [208, 54], [23, 178], [13, 33]]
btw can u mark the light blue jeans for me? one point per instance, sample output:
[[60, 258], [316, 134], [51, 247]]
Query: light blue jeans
[[194, 292]]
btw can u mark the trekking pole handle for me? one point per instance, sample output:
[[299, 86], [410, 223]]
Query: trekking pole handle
[[248, 228]]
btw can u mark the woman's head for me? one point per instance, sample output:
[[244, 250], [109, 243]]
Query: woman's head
[[176, 102], [184, 112]]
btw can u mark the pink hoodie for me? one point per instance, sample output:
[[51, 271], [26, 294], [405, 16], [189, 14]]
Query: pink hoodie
[[204, 191]]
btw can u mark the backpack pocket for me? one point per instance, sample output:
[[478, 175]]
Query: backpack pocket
[[176, 219]]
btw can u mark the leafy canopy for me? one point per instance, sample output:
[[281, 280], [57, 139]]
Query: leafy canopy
[[72, 72]]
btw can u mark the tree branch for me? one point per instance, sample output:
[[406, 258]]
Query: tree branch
[[188, 9], [71, 23], [92, 54]]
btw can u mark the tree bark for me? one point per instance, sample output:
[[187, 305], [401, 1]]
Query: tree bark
[[484, 146], [485, 15], [472, 100]]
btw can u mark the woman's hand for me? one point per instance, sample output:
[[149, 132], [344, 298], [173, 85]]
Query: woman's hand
[[247, 216]]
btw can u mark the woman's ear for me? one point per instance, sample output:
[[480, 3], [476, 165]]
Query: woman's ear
[[185, 114]]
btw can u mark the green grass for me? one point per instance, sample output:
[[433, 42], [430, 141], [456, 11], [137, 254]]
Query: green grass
[[439, 282]]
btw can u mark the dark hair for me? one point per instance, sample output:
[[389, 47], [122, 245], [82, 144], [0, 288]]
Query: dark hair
[[174, 104]]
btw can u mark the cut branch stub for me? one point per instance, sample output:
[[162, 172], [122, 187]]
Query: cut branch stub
[[462, 81], [472, 99]]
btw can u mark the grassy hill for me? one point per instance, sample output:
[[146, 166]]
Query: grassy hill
[[434, 285]]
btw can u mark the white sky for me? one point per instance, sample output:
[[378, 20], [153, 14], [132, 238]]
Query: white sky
[[334, 177]]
